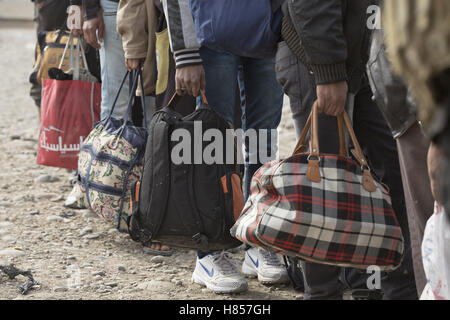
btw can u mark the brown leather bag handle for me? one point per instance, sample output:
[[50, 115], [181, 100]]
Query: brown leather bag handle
[[176, 98], [358, 153], [301, 146], [313, 171]]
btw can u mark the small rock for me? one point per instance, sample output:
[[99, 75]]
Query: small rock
[[45, 178], [177, 282], [85, 231], [18, 198], [8, 238], [3, 232], [44, 196], [57, 198], [5, 204], [157, 265], [121, 268], [87, 265], [11, 253], [103, 291], [98, 273], [60, 289], [113, 231], [15, 137], [87, 214], [29, 138], [34, 212], [155, 285], [5, 224], [111, 284], [92, 236], [54, 219], [67, 214], [170, 271], [158, 259]]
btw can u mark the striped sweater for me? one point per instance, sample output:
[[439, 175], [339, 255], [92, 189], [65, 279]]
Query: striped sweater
[[183, 39]]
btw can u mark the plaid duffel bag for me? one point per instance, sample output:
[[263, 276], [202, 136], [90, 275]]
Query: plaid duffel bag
[[322, 208]]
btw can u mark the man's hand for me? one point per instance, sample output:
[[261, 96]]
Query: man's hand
[[191, 78], [90, 28], [332, 98], [132, 64]]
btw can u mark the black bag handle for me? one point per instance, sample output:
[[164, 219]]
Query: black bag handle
[[176, 99], [135, 77]]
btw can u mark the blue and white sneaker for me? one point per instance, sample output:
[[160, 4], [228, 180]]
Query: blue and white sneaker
[[265, 265], [219, 274]]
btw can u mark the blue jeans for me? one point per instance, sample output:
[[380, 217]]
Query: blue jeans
[[112, 62], [261, 98]]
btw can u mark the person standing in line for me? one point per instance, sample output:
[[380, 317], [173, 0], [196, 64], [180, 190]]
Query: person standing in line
[[145, 39], [49, 15], [400, 110], [418, 46], [323, 58], [202, 68], [100, 31]]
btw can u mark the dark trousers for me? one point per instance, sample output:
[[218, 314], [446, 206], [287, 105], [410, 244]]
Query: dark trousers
[[374, 136]]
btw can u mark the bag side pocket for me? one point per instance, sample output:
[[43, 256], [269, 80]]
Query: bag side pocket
[[232, 186]]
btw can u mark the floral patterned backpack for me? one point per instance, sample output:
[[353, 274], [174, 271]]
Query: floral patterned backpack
[[110, 160]]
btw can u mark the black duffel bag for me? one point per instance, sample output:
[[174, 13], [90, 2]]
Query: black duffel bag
[[186, 205]]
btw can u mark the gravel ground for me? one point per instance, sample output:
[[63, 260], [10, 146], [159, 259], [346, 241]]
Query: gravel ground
[[75, 254]]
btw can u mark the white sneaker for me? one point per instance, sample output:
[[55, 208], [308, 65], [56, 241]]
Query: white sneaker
[[265, 265], [219, 274]]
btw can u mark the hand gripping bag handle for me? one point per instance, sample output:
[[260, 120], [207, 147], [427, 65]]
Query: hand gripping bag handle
[[301, 146], [176, 98], [313, 172]]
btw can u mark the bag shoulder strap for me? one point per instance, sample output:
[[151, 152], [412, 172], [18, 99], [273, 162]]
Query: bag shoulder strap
[[157, 177]]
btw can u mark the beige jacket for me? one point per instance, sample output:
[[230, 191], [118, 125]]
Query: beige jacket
[[136, 23]]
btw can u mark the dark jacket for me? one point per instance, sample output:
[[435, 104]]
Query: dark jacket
[[390, 92], [183, 38], [334, 38]]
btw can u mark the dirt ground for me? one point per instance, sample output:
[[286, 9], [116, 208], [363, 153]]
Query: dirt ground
[[73, 254]]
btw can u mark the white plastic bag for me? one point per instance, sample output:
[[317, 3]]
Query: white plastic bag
[[436, 256]]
